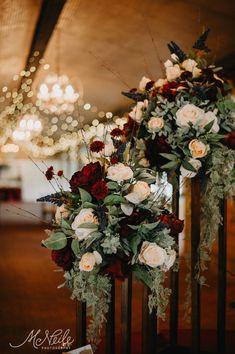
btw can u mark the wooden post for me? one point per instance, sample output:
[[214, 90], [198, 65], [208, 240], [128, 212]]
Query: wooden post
[[110, 326], [195, 240], [149, 326], [221, 301], [126, 315], [174, 302], [81, 323]]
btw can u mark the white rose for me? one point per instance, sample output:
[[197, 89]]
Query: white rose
[[160, 82], [190, 174], [144, 162], [170, 259], [85, 216], [119, 172], [143, 83], [61, 213], [168, 64], [155, 123], [109, 148], [89, 260], [140, 192], [152, 255], [209, 117], [198, 149], [173, 72], [137, 112], [189, 64], [196, 72], [188, 113]]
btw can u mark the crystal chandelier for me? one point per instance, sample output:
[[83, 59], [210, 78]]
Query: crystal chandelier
[[56, 95]]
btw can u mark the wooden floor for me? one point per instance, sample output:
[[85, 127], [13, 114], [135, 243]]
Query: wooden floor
[[30, 298]]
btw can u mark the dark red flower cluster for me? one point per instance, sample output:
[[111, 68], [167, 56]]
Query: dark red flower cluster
[[153, 150], [99, 190], [97, 146], [49, 173], [63, 258], [114, 159], [229, 140], [91, 179], [169, 90], [130, 127], [117, 269], [116, 132], [85, 178], [134, 219], [176, 225]]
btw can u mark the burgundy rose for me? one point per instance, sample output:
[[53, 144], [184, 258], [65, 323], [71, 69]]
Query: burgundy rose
[[130, 127], [176, 225], [229, 140], [63, 258], [116, 269], [49, 173], [153, 150], [97, 146], [149, 85], [114, 159], [85, 178], [169, 90], [116, 132], [99, 190]]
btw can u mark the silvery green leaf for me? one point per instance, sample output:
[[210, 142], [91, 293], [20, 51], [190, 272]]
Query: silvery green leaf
[[169, 165], [171, 157], [151, 226], [113, 185], [188, 166], [114, 199], [75, 247], [85, 196], [88, 205], [56, 241], [65, 224], [88, 225]]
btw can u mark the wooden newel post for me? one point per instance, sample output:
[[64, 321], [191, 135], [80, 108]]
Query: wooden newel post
[[222, 260], [81, 324], [149, 325], [110, 326], [195, 241], [174, 302], [126, 315]]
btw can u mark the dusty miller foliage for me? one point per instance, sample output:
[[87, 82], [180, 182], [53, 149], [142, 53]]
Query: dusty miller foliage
[[94, 289], [219, 183]]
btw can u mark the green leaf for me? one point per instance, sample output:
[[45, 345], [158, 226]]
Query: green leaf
[[151, 226], [56, 241], [75, 247], [209, 126], [88, 225], [88, 205], [170, 165], [85, 196], [188, 166], [114, 199], [170, 157], [142, 274], [113, 185], [229, 104], [134, 243], [65, 224]]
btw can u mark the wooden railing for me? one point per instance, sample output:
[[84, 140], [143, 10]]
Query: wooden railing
[[149, 321]]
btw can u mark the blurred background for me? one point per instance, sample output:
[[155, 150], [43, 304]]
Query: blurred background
[[63, 65]]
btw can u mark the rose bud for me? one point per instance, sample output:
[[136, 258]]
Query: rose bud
[[176, 225]]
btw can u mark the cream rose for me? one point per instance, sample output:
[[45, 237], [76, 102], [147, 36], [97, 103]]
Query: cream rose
[[155, 123], [170, 259], [85, 216], [61, 213], [198, 149], [209, 117], [119, 172], [140, 192], [172, 71], [144, 162], [152, 255], [191, 65], [190, 174], [160, 82], [143, 83], [188, 114], [89, 260], [137, 112]]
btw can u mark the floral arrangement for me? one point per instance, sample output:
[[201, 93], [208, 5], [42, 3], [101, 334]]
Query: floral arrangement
[[184, 125], [108, 224]]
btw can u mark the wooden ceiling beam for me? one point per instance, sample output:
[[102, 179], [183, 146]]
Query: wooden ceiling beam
[[47, 20]]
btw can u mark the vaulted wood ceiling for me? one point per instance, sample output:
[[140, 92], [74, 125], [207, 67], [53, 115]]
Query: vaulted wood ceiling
[[109, 45]]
